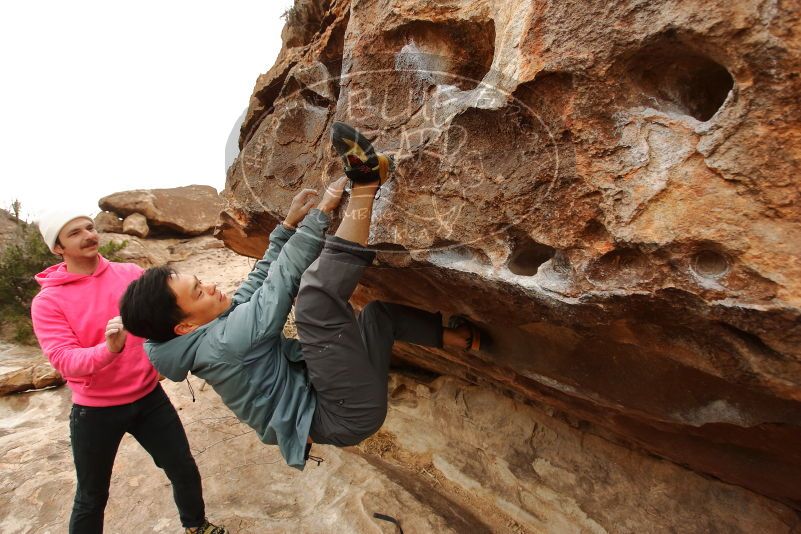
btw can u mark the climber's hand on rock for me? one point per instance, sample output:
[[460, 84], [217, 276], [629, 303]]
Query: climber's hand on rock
[[333, 195], [301, 204]]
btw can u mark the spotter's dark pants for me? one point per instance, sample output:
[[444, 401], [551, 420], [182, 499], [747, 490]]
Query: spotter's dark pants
[[348, 356], [96, 433]]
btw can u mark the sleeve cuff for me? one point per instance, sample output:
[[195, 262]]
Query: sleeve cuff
[[281, 231], [105, 356], [316, 221]]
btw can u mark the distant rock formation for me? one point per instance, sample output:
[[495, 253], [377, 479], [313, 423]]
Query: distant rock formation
[[135, 224], [190, 210], [9, 227], [153, 251], [23, 368], [106, 221]]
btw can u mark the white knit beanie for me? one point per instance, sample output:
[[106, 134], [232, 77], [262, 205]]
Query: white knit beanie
[[51, 223]]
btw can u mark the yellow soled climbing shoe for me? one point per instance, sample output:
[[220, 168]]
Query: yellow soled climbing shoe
[[362, 163]]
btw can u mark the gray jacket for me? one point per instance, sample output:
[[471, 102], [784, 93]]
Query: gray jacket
[[259, 374]]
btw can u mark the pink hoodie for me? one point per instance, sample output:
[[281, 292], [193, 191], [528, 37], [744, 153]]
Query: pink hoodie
[[69, 317]]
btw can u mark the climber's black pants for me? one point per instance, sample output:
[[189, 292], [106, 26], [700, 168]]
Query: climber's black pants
[[348, 356]]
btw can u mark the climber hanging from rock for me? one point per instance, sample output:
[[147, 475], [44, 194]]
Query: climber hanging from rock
[[330, 386]]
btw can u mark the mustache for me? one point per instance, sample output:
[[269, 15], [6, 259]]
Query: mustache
[[89, 243]]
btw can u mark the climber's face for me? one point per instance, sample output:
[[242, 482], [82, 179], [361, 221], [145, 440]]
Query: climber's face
[[200, 302]]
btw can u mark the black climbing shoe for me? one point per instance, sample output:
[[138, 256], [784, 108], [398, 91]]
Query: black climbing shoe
[[362, 163], [477, 339], [207, 528]]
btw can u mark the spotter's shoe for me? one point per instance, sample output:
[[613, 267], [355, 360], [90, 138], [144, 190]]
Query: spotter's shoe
[[207, 528]]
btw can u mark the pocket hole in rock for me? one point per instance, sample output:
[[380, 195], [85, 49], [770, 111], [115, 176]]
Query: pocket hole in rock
[[709, 264], [527, 259], [675, 78], [457, 53]]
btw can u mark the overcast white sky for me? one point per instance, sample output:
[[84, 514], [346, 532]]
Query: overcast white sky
[[98, 97]]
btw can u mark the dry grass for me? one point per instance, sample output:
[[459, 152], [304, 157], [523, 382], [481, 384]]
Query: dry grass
[[381, 444]]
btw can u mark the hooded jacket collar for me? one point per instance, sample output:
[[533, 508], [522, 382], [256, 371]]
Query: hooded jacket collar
[[57, 275], [176, 357]]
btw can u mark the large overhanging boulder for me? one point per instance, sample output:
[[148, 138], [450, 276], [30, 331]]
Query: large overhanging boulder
[[188, 210], [612, 190]]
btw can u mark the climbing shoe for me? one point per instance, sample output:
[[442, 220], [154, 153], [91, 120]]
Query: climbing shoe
[[206, 528], [475, 340], [362, 163]]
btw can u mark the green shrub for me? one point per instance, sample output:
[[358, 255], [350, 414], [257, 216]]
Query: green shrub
[[110, 250], [22, 327], [20, 260]]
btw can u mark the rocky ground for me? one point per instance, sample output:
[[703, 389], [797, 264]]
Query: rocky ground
[[247, 486], [452, 457]]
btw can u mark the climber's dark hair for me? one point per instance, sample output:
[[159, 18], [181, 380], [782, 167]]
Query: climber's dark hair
[[149, 308]]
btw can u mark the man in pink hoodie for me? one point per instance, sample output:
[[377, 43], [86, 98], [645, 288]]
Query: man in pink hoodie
[[115, 389]]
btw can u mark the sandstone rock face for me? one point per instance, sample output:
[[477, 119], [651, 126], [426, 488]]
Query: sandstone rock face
[[135, 224], [611, 190], [108, 222], [189, 210]]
